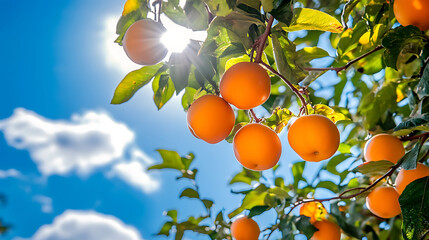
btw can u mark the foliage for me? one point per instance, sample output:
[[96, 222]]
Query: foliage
[[382, 85]]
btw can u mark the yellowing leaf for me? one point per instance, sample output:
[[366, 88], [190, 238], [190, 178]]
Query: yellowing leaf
[[326, 111], [130, 6], [310, 19]]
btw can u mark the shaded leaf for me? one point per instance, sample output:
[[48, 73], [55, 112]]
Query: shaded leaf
[[190, 193], [375, 168], [303, 224], [414, 203], [258, 210], [133, 81], [282, 11], [163, 89], [409, 160], [422, 89], [412, 124]]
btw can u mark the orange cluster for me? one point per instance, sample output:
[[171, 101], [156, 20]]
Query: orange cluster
[[247, 85]]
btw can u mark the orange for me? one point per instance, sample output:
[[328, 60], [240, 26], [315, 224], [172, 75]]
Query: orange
[[314, 137], [245, 85], [314, 210], [245, 229], [384, 147], [327, 231], [210, 118], [405, 177], [412, 12], [384, 202], [142, 42], [257, 147]]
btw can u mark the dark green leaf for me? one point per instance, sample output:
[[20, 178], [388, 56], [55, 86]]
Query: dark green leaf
[[375, 168], [303, 224], [163, 89], [207, 203], [328, 185], [258, 210], [282, 11], [399, 38], [412, 124], [133, 81], [414, 203], [190, 193], [409, 160], [422, 89], [180, 68]]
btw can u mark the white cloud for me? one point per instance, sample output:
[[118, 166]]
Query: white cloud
[[134, 172], [10, 173], [86, 225], [45, 202], [81, 145], [86, 142]]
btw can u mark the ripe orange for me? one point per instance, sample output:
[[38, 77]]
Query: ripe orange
[[327, 231], [314, 210], [314, 137], [142, 42], [245, 85], [405, 177], [384, 202], [257, 147], [245, 229], [384, 147], [412, 12], [210, 118]]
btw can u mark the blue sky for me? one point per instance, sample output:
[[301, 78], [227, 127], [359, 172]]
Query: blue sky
[[67, 155]]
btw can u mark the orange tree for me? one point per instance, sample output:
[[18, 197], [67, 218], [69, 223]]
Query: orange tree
[[382, 87]]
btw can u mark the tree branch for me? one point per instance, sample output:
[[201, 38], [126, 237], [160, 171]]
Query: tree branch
[[289, 84], [408, 138], [252, 112], [341, 196], [262, 40], [339, 69]]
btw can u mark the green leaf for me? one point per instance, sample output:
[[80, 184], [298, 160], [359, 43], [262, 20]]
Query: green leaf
[[268, 5], [375, 168], [306, 54], [409, 160], [173, 215], [297, 171], [279, 119], [412, 124], [220, 7], [256, 197], [165, 230], [188, 98], [171, 159], [282, 11], [175, 13], [190, 193], [328, 185], [350, 38], [285, 58], [207, 203], [409, 37], [246, 176], [133, 81], [125, 21], [163, 89], [180, 67], [196, 14], [258, 210], [422, 89], [414, 203], [311, 19], [303, 224]]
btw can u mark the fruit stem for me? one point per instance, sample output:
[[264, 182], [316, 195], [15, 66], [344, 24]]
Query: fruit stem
[[408, 138], [341, 196], [289, 84], [252, 112], [339, 69], [262, 40]]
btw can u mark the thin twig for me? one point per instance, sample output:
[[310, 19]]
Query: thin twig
[[289, 84], [339, 69], [341, 196], [408, 138], [263, 39], [257, 120]]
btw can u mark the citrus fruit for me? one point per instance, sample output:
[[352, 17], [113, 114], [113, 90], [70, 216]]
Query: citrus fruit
[[384, 202], [314, 137], [210, 118], [257, 147], [384, 147], [245, 85], [412, 12], [327, 230], [405, 177], [245, 228], [142, 42]]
